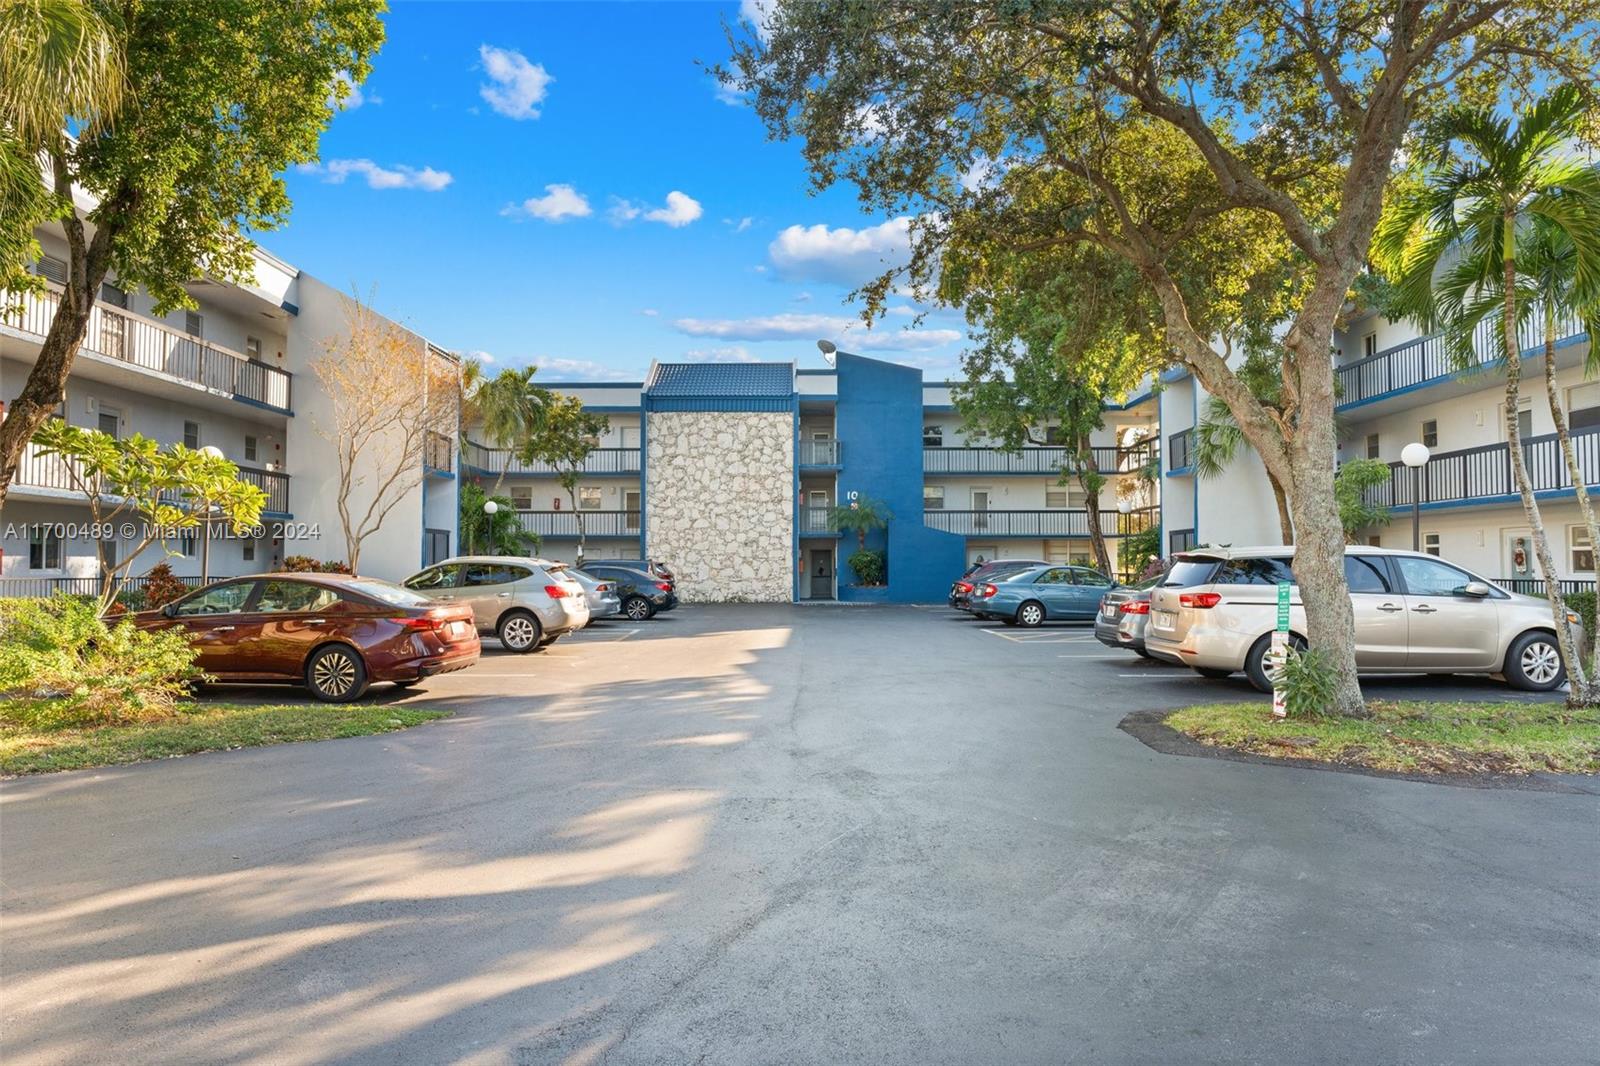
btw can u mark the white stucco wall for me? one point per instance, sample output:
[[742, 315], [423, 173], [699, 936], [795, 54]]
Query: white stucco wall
[[720, 501]]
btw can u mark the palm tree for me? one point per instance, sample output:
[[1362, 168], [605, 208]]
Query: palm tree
[[506, 410], [860, 516], [1451, 243]]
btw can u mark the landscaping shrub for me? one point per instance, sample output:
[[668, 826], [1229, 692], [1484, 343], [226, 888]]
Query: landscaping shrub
[[161, 587], [1583, 603], [871, 566], [1307, 681], [304, 564], [61, 664]]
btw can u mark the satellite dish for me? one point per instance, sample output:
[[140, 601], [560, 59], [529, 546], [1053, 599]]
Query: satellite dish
[[827, 348]]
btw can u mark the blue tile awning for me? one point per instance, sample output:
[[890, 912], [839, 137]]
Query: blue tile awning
[[720, 387]]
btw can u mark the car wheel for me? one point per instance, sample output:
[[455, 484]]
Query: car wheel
[[637, 608], [1255, 660], [1030, 614], [1213, 673], [1534, 663], [519, 631], [336, 674]]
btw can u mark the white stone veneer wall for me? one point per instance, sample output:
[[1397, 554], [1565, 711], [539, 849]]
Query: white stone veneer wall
[[719, 503]]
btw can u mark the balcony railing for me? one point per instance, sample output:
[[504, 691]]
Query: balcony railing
[[1046, 460], [1180, 540], [819, 453], [1534, 586], [40, 471], [1066, 523], [1485, 471], [1180, 450], [80, 586], [486, 460], [140, 342], [564, 524], [436, 453], [1425, 359], [814, 521]]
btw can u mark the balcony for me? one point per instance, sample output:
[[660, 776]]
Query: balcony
[[1425, 361], [814, 522], [819, 453], [436, 453], [139, 342], [1484, 473], [483, 460], [1180, 452], [37, 471], [1046, 461], [564, 524], [1064, 523]]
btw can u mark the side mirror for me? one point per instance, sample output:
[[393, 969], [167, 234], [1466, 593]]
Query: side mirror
[[1475, 588], [169, 611]]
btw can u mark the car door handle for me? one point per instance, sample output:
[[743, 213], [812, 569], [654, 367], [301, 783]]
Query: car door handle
[[222, 629], [1425, 609], [1390, 607], [316, 621], [502, 595]]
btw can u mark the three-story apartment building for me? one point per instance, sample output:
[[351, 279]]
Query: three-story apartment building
[[234, 374]]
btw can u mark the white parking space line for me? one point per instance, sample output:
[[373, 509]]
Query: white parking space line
[[603, 636], [1056, 637]]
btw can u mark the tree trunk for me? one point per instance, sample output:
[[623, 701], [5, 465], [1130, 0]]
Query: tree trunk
[[1097, 536], [1519, 471], [1585, 689], [1281, 498], [577, 514]]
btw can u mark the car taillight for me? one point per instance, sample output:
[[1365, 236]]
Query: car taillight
[[555, 592], [984, 590], [1200, 599], [422, 623], [963, 586], [664, 586], [1136, 607], [602, 587]]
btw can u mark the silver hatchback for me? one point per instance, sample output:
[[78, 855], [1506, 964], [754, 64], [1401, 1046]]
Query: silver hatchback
[[524, 603], [604, 599], [1414, 614]]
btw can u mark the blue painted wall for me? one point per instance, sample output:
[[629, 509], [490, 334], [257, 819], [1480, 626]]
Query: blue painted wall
[[878, 418]]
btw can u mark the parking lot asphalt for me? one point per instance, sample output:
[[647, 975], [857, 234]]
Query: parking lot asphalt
[[794, 835]]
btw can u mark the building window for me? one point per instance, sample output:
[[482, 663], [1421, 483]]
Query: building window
[[589, 497], [44, 549], [1369, 345], [1583, 406], [1524, 418], [191, 435], [1054, 435], [1430, 432], [108, 421], [51, 269], [108, 555], [1430, 543], [252, 348], [247, 550], [522, 497], [1372, 445], [250, 449], [933, 497], [1056, 497], [933, 436], [194, 324], [113, 295], [1374, 541], [1582, 553]]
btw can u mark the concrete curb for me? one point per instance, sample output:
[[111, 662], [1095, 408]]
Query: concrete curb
[[1151, 730]]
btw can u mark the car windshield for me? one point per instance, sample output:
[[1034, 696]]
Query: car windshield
[[384, 592], [1186, 572]]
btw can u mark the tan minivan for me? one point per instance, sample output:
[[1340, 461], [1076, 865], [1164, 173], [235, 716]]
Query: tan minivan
[[1414, 614]]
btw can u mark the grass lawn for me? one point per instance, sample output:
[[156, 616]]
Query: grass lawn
[[196, 727], [1411, 736]]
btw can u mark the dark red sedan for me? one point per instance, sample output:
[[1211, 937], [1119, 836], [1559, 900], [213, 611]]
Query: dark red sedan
[[333, 633]]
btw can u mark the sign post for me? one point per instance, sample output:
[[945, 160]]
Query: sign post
[[1280, 650]]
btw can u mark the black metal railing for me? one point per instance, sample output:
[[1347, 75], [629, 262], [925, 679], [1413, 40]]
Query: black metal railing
[[1051, 523], [1485, 471], [437, 453], [486, 460], [819, 453], [1425, 359], [1042, 459], [274, 483], [1534, 586], [595, 523], [39, 471], [1180, 450], [141, 342]]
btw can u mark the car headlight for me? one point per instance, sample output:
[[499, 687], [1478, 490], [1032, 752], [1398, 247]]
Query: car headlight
[[1573, 619]]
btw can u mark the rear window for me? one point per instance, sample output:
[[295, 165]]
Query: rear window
[[1254, 572], [384, 592], [1187, 572]]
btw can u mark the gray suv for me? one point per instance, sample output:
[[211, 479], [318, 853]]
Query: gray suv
[[1414, 614], [525, 603]]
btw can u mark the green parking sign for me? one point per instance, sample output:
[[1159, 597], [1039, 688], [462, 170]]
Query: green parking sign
[[1283, 606]]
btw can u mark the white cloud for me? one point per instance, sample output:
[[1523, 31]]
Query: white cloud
[[558, 202], [739, 225], [757, 13], [729, 95], [848, 333], [984, 173], [582, 370], [649, 312], [481, 356], [731, 353], [354, 97], [679, 210], [518, 86], [841, 255], [399, 176], [802, 297]]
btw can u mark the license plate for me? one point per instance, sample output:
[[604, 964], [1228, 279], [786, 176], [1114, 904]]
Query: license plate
[[1163, 619], [458, 631], [1109, 610]]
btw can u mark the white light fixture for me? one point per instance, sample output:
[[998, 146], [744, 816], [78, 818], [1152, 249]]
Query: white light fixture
[[490, 507], [1414, 454], [1125, 505]]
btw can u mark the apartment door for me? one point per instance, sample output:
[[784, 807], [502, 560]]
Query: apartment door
[[1520, 563], [630, 436], [817, 504], [630, 504], [820, 566], [438, 545], [980, 508]]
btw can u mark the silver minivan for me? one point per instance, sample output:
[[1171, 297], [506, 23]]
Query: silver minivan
[[1414, 614], [524, 603]]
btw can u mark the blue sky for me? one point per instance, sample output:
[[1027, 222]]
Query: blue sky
[[561, 183]]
